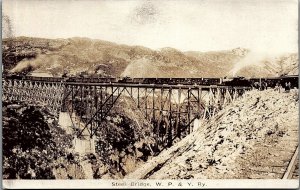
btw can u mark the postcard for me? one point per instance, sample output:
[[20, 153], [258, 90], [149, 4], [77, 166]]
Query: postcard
[[149, 94]]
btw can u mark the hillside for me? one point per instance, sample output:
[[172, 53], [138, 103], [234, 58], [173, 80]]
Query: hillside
[[37, 145], [255, 137], [32, 142], [82, 55]]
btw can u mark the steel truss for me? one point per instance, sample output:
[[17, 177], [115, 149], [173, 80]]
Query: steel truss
[[170, 109]]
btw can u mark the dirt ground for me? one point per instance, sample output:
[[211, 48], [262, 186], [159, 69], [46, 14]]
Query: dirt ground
[[255, 137]]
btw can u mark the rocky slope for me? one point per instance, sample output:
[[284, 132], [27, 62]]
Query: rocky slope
[[32, 142], [37, 146], [82, 55], [253, 138]]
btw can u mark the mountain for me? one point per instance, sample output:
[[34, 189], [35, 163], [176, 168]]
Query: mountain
[[74, 56]]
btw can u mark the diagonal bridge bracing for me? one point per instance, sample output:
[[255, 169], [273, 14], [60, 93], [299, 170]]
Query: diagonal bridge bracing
[[170, 109]]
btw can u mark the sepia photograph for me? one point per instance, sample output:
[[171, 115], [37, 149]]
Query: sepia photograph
[[150, 94]]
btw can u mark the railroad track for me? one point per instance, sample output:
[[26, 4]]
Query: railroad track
[[276, 157], [292, 169]]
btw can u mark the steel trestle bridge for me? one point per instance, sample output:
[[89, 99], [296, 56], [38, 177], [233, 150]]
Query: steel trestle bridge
[[171, 108]]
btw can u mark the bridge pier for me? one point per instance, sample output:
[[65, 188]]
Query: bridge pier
[[65, 122], [84, 146], [81, 146]]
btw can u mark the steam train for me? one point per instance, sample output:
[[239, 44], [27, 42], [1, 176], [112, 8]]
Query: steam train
[[235, 81]]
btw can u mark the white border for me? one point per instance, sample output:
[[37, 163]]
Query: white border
[[152, 184]]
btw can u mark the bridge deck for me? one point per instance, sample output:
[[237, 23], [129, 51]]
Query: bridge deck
[[179, 86]]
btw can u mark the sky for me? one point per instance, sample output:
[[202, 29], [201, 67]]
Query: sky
[[187, 25]]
